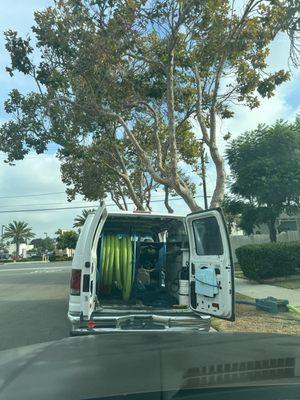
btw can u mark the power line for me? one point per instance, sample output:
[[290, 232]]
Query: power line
[[54, 193], [85, 206], [39, 205], [30, 195], [48, 209]]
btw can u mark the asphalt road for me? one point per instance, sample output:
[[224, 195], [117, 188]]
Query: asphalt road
[[33, 303]]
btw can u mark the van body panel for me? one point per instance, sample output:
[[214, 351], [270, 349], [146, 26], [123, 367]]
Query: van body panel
[[77, 263], [85, 259], [88, 316], [211, 266]]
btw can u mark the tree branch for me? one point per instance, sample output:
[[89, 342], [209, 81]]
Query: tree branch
[[123, 197], [171, 115], [115, 200], [200, 119], [156, 136], [140, 152], [166, 201]]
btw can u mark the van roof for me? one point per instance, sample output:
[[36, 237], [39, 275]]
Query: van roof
[[144, 214]]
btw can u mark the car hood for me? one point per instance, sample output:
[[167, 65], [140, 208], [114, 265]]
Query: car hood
[[98, 366]]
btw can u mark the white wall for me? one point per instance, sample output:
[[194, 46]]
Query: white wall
[[241, 240], [22, 249]]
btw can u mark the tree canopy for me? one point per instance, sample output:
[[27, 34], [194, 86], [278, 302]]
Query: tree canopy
[[43, 244], [66, 239], [18, 232], [136, 72], [80, 219], [265, 174]]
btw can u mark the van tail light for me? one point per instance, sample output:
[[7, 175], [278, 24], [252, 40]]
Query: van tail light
[[75, 282]]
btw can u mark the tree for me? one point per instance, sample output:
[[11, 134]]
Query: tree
[[66, 239], [232, 210], [43, 244], [144, 64], [18, 232], [109, 166], [80, 219], [265, 174]]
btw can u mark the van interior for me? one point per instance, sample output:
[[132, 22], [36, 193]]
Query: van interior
[[141, 261]]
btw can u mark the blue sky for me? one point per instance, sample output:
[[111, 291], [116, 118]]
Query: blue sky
[[40, 174]]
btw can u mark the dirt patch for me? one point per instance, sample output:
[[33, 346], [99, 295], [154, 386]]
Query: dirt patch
[[248, 319], [288, 283], [278, 279]]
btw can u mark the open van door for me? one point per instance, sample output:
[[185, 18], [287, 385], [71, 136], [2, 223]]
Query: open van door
[[89, 270], [211, 266]]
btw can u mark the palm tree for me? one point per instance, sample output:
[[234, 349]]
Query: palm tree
[[80, 219], [19, 232]]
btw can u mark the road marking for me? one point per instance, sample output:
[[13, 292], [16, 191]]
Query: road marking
[[35, 269], [46, 271]]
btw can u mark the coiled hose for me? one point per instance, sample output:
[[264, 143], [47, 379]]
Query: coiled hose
[[116, 264]]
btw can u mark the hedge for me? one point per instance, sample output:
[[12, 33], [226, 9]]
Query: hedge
[[53, 257], [269, 260]]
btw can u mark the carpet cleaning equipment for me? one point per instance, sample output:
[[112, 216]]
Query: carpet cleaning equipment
[[183, 292], [110, 269], [293, 309], [116, 264], [127, 265], [271, 305]]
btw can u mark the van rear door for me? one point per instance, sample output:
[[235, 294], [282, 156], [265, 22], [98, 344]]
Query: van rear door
[[211, 267], [89, 270]]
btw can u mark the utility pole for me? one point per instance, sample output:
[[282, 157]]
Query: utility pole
[[203, 175], [2, 232]]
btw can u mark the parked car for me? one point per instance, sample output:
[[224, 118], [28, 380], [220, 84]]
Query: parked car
[[149, 271], [33, 255], [4, 256]]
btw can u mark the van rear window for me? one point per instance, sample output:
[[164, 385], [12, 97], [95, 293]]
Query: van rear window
[[207, 237]]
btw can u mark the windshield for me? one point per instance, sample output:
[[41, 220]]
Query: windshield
[[150, 158]]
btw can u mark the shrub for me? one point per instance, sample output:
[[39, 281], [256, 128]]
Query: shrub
[[268, 260], [53, 257]]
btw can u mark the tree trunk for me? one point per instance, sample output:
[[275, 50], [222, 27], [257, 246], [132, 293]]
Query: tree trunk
[[187, 196], [167, 205], [218, 194], [171, 116], [124, 201], [272, 230], [139, 205]]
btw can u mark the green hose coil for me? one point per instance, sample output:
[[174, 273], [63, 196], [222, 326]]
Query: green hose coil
[[110, 270], [106, 261], [127, 269], [117, 265], [103, 258], [116, 268], [293, 309]]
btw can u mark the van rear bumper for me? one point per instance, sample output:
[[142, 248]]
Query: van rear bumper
[[138, 322]]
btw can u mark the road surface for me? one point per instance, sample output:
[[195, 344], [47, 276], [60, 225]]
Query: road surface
[[33, 303]]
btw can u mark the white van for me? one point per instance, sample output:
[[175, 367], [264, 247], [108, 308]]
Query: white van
[[137, 271]]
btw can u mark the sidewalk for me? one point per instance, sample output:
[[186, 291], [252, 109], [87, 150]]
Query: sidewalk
[[258, 291]]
